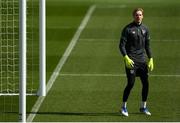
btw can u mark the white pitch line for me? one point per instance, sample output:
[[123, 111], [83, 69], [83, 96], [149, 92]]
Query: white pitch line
[[117, 40], [165, 40], [112, 6], [114, 75], [91, 75], [17, 94], [62, 61]]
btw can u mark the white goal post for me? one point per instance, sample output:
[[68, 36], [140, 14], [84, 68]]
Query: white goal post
[[23, 60], [22, 53]]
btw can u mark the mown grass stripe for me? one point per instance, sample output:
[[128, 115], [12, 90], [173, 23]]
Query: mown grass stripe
[[62, 61]]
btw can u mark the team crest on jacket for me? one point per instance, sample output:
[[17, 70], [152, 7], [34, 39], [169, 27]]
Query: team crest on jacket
[[133, 32], [143, 31]]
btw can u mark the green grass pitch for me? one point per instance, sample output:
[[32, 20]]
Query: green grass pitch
[[88, 87]]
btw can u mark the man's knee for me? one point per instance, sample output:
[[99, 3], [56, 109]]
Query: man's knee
[[130, 85]]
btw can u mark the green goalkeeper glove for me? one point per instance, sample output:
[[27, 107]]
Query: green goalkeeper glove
[[128, 62], [151, 64]]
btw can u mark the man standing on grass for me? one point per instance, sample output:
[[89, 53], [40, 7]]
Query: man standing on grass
[[134, 43]]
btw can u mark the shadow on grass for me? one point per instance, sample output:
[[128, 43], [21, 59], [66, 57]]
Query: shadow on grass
[[77, 113]]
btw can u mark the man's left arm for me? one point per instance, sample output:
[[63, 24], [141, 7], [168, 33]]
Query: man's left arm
[[147, 44], [148, 51]]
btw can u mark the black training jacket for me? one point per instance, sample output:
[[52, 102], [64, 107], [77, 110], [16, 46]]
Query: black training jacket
[[134, 42]]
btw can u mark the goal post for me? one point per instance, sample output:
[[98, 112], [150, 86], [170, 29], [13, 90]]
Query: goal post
[[42, 54], [21, 51], [42, 44], [22, 60]]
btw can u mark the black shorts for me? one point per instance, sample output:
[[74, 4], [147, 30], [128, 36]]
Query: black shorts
[[139, 69]]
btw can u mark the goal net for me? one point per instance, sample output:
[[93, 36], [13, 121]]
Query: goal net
[[9, 39], [10, 55]]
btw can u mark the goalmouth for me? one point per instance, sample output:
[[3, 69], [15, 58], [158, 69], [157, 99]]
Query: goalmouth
[[17, 54]]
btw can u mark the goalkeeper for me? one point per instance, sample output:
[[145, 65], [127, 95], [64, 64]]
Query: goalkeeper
[[134, 43]]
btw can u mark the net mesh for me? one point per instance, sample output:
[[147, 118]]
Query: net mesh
[[9, 47], [9, 56]]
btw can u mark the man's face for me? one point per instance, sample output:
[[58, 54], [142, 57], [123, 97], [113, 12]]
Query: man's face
[[138, 16]]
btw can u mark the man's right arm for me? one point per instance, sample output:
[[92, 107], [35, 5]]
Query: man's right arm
[[123, 41], [122, 46]]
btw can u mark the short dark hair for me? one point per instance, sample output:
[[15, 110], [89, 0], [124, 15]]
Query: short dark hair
[[138, 9]]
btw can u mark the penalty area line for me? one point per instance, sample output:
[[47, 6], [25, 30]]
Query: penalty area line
[[112, 75], [65, 56]]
